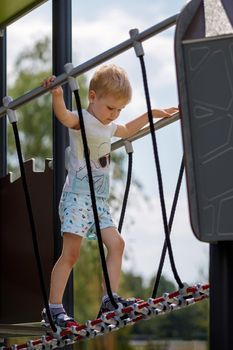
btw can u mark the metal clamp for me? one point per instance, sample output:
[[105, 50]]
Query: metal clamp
[[136, 44], [128, 146], [73, 84], [31, 346], [11, 113], [183, 290]]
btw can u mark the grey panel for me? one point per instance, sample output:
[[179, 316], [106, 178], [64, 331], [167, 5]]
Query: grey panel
[[208, 66]]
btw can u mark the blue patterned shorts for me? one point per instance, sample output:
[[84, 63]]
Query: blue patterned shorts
[[76, 214]]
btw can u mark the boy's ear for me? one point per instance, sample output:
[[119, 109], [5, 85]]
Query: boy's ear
[[91, 96]]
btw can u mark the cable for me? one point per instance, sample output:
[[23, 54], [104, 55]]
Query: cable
[[127, 188], [32, 225], [172, 214], [159, 174], [93, 199], [140, 53]]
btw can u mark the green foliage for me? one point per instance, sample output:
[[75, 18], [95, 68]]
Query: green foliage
[[36, 141], [34, 118], [32, 59]]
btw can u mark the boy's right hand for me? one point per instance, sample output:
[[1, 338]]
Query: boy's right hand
[[56, 91]]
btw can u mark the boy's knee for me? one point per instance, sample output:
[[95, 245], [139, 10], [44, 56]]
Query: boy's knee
[[71, 258], [120, 244]]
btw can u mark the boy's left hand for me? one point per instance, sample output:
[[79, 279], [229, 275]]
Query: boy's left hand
[[164, 113]]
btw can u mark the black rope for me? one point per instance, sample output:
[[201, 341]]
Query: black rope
[[32, 225], [159, 174], [127, 188], [93, 199], [172, 214]]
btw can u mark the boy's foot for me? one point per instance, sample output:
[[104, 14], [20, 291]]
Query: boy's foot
[[59, 317], [107, 305]]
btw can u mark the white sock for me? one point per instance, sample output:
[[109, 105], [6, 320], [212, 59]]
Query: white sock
[[55, 306]]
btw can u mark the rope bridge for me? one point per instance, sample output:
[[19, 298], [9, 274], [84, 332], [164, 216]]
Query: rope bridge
[[121, 317]]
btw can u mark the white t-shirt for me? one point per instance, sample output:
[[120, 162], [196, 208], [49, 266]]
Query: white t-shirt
[[99, 143]]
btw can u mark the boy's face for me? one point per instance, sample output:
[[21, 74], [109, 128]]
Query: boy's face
[[106, 108]]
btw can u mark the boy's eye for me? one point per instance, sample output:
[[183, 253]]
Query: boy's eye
[[112, 109]]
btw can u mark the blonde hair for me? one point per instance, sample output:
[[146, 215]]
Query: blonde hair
[[110, 79]]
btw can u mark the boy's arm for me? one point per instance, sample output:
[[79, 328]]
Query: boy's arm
[[66, 117], [132, 127]]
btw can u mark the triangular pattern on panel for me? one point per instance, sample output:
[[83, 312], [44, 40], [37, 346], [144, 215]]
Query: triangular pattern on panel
[[202, 112], [197, 56]]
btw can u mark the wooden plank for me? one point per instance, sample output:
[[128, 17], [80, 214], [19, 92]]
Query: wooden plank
[[22, 330], [21, 298]]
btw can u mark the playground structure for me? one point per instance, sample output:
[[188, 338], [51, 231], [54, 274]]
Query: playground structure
[[221, 253]]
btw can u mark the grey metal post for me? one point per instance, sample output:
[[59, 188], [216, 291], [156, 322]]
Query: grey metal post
[[62, 53], [3, 129], [221, 286], [3, 133]]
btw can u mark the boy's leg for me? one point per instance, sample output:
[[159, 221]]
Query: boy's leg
[[115, 248], [62, 268]]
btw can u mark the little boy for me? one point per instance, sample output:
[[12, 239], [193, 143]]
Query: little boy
[[109, 92]]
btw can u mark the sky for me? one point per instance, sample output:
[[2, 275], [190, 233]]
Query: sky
[[98, 26]]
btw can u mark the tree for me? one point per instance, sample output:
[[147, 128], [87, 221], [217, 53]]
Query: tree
[[34, 118]]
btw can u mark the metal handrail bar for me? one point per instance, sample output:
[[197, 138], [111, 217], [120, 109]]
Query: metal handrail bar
[[145, 131], [141, 133], [84, 67]]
